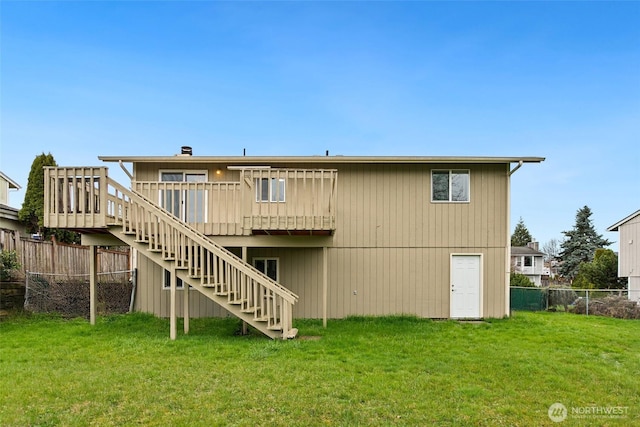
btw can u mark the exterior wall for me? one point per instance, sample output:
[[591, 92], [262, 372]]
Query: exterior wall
[[629, 257], [634, 288], [391, 248], [4, 191]]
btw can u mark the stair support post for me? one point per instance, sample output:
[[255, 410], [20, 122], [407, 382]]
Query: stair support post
[[93, 283], [173, 324], [244, 259], [185, 308]]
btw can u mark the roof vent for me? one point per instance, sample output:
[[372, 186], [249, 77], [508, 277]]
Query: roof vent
[[186, 150]]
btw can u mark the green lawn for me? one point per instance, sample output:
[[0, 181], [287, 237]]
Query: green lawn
[[362, 371]]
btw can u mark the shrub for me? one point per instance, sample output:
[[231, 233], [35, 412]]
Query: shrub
[[8, 263], [517, 279]]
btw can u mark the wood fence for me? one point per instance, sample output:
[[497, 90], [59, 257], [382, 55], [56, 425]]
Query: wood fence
[[60, 258]]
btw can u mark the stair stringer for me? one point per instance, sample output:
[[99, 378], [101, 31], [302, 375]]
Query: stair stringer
[[235, 310]]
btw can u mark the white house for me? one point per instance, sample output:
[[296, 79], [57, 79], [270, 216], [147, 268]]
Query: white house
[[629, 252], [9, 225], [528, 260]]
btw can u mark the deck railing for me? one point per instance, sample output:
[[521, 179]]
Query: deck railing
[[80, 193], [263, 199]]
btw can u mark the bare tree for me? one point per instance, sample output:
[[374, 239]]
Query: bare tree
[[551, 249]]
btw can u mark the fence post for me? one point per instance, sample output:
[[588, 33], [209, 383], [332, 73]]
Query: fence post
[[587, 309]]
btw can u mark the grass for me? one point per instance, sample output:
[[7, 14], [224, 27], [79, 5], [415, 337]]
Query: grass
[[363, 371]]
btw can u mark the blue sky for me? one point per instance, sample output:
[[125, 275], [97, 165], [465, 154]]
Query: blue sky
[[559, 80]]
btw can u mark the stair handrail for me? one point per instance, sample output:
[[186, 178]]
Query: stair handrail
[[203, 240]]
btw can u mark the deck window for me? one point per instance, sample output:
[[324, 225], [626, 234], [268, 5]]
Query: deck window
[[450, 186], [270, 189], [185, 202], [268, 266]]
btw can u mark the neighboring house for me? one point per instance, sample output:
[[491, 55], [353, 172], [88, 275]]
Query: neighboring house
[[528, 260], [629, 252], [307, 237], [10, 227]]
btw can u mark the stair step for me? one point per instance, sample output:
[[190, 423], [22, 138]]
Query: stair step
[[237, 301], [276, 327], [261, 319], [211, 285], [250, 310]]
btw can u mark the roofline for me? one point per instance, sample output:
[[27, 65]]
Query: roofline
[[248, 160], [12, 183], [615, 226]]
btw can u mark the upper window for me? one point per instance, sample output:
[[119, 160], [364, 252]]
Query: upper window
[[450, 186], [270, 189]]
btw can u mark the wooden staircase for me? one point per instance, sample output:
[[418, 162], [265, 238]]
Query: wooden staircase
[[75, 196]]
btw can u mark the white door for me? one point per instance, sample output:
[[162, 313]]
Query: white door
[[465, 287]]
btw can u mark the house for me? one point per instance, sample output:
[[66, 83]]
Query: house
[[528, 260], [10, 227], [629, 252], [269, 239]]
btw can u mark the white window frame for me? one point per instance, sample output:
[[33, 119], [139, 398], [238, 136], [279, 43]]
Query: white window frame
[[166, 281], [451, 172], [272, 196], [184, 172], [266, 259]]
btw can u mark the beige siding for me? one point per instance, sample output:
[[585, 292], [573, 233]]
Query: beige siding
[[391, 248], [390, 206], [630, 248]]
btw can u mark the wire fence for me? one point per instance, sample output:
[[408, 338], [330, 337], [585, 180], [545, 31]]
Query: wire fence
[[69, 294], [620, 303]]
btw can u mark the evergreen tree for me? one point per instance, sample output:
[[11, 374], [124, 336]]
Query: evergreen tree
[[521, 235], [580, 244], [32, 211], [601, 273]]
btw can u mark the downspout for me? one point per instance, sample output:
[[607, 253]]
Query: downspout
[[507, 279]]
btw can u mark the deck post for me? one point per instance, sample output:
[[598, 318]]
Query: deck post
[[185, 302], [93, 281], [325, 281], [172, 316], [244, 259]]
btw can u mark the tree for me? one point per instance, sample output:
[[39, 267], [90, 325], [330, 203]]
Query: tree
[[32, 211], [580, 244], [551, 249], [521, 235], [601, 273]]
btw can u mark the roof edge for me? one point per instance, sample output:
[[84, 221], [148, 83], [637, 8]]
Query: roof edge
[[320, 159], [615, 226]]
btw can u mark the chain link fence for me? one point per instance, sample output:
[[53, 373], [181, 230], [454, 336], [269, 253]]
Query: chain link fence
[[69, 295], [619, 303]]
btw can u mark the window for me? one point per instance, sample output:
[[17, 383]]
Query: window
[[166, 281], [450, 186], [528, 261], [188, 205], [270, 190], [268, 266]]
